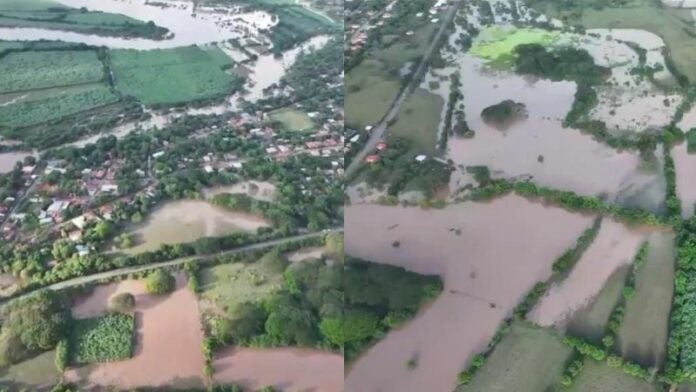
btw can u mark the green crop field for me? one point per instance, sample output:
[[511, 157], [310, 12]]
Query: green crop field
[[169, 76], [37, 107], [34, 70], [219, 57], [528, 359], [598, 377], [292, 119], [229, 285], [101, 339], [418, 120]]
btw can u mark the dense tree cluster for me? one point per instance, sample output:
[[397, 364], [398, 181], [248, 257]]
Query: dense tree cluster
[[32, 325], [380, 297]]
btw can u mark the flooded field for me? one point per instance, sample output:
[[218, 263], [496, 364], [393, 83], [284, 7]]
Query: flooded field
[[684, 165], [35, 374], [615, 246], [483, 280], [189, 220], [289, 369], [590, 322], [644, 331], [163, 355], [8, 160], [531, 148]]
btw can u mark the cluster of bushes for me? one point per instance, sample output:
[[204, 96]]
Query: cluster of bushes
[[455, 96], [568, 259], [379, 297], [617, 314], [571, 372], [32, 325], [566, 63], [672, 202], [305, 311], [601, 354], [565, 199]]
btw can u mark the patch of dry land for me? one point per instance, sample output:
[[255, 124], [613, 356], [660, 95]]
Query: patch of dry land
[[290, 369], [615, 246], [168, 339], [189, 220], [489, 255]]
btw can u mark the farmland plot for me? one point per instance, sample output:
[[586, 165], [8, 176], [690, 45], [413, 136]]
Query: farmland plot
[[102, 339], [34, 70], [149, 75], [46, 105]]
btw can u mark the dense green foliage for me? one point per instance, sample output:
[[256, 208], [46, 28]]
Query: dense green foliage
[[101, 339], [148, 75], [30, 325], [380, 297], [566, 63], [34, 70], [122, 303], [565, 199], [504, 113], [160, 282]]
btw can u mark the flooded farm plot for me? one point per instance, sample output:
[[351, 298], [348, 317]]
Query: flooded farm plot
[[35, 374], [590, 322], [532, 148], [290, 369], [189, 220], [645, 327], [483, 280], [684, 165], [8, 160], [614, 247], [163, 355], [528, 359]]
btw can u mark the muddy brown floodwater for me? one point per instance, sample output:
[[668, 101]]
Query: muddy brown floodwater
[[615, 246], [290, 369], [189, 220], [540, 147], [168, 341], [489, 255]]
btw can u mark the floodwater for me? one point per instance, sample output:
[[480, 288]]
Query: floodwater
[[289, 369], [684, 164], [615, 246], [268, 69], [187, 28], [8, 160], [189, 220], [489, 255], [162, 353], [540, 148]]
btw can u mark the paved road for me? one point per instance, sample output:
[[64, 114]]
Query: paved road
[[379, 129], [200, 259]]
